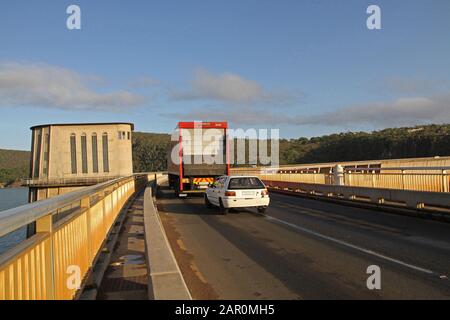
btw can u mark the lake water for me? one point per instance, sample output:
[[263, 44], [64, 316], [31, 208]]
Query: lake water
[[11, 198]]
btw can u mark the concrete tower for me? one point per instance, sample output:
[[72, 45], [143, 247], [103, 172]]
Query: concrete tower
[[65, 157]]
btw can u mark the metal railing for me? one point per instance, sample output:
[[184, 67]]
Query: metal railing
[[39, 267], [409, 199], [381, 163], [434, 179], [67, 181]]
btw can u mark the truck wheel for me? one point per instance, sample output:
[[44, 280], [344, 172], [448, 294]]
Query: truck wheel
[[222, 209], [262, 209], [207, 203], [170, 178], [176, 187]]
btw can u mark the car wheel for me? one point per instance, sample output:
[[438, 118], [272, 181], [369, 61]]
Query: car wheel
[[207, 203], [222, 209], [262, 209]]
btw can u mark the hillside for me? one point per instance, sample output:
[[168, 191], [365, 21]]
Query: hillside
[[149, 149], [149, 152], [13, 165], [420, 141]]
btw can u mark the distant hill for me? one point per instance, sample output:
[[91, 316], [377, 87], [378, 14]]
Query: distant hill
[[149, 154], [149, 149], [13, 165], [393, 143]]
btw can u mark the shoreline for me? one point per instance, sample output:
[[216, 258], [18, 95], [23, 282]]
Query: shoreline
[[12, 186]]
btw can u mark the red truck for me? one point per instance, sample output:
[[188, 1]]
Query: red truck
[[197, 154]]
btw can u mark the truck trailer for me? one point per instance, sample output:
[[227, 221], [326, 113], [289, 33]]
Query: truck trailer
[[197, 154]]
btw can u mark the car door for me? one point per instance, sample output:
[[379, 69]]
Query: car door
[[212, 192], [221, 188]]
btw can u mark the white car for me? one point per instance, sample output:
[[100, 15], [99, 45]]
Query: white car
[[237, 192]]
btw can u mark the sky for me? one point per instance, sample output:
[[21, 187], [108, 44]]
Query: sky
[[306, 67]]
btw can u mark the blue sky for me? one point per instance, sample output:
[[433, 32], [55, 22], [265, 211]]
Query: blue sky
[[307, 67]]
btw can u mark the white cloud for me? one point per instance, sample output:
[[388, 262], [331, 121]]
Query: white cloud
[[403, 111], [235, 115], [229, 88], [55, 87]]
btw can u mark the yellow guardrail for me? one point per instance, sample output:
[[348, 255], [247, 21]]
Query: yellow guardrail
[[42, 266], [433, 204], [434, 179], [436, 182]]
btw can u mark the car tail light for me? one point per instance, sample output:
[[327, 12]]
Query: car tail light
[[264, 193], [230, 194]]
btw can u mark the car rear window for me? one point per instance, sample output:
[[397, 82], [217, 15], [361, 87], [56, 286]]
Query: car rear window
[[245, 183]]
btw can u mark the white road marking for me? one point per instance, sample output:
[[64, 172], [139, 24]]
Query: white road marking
[[343, 243]]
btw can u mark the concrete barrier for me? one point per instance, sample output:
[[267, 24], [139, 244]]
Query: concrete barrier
[[165, 279]]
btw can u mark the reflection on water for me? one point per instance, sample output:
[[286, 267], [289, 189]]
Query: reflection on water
[[11, 198]]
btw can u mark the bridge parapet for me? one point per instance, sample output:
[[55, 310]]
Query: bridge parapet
[[435, 202], [70, 232], [432, 179], [80, 181]]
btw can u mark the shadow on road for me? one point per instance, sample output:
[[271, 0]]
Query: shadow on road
[[192, 204]]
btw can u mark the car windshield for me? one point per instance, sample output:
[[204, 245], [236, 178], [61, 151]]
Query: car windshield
[[245, 183]]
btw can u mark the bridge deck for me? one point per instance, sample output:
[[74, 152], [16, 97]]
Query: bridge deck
[[305, 249], [126, 276]]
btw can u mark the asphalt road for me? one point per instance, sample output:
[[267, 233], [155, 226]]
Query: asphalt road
[[305, 249]]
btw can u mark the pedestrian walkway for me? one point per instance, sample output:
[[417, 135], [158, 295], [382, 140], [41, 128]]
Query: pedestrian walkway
[[126, 277]]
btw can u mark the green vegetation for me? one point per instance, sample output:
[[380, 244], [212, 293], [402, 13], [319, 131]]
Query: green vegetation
[[149, 149], [13, 165], [396, 143]]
